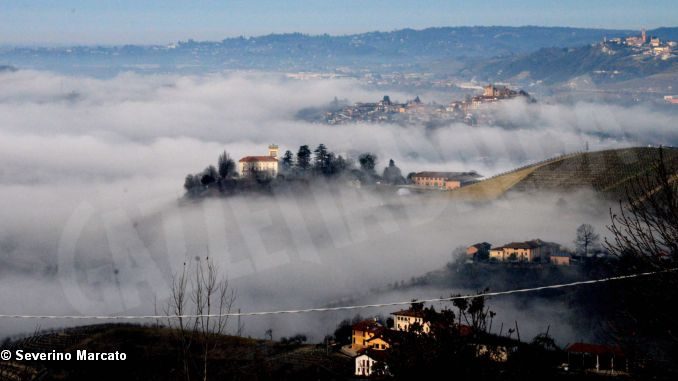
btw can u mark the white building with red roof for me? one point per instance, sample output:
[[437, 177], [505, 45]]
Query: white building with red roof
[[250, 165]]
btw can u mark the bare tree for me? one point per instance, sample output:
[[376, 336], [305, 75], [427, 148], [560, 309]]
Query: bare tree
[[645, 238], [587, 238], [646, 224], [176, 310], [199, 309]]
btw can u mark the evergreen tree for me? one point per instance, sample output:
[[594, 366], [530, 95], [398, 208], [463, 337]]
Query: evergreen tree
[[320, 159], [338, 165], [226, 166], [304, 157], [324, 160], [392, 174], [287, 161]]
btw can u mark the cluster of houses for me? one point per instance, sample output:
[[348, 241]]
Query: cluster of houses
[[647, 45], [371, 341], [416, 111], [533, 251]]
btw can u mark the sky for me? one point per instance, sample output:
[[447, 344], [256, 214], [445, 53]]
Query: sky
[[58, 22]]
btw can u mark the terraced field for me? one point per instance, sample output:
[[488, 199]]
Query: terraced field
[[607, 172]]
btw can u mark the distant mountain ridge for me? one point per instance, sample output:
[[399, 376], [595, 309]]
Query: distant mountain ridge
[[296, 51], [601, 62]]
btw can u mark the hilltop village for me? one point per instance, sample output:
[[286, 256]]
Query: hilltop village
[[642, 45], [471, 110]]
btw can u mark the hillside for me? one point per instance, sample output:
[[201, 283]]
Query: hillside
[[404, 49], [603, 63], [153, 354], [607, 172]]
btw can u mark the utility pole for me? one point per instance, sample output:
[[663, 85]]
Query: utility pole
[[239, 326]]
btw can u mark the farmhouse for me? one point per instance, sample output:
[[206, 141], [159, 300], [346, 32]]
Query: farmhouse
[[535, 250], [444, 180]]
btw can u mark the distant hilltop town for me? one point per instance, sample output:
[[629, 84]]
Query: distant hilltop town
[[644, 44], [469, 110]]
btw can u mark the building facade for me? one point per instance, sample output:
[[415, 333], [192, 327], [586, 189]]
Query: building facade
[[363, 332], [444, 180], [366, 364], [560, 259], [403, 320], [251, 165], [529, 251]]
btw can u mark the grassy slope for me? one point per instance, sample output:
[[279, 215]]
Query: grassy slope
[[608, 172]]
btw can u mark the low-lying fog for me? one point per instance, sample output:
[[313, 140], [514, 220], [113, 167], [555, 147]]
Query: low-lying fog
[[92, 173]]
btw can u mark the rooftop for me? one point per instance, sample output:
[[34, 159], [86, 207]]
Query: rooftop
[[460, 176], [597, 349], [373, 354], [532, 244], [410, 313], [250, 159], [368, 326]]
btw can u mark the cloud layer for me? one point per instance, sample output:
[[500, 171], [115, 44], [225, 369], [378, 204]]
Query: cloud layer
[[92, 174]]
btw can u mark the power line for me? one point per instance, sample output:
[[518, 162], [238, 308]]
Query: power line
[[339, 308]]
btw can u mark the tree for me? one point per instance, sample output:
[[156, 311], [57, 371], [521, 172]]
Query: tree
[[448, 348], [342, 334], [200, 300], [368, 162], [321, 159], [287, 161], [586, 239], [392, 174], [410, 177], [209, 176], [304, 158], [339, 165], [646, 225], [192, 183], [644, 238], [226, 166]]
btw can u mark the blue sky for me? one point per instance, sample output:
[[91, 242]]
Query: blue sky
[[163, 21]]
